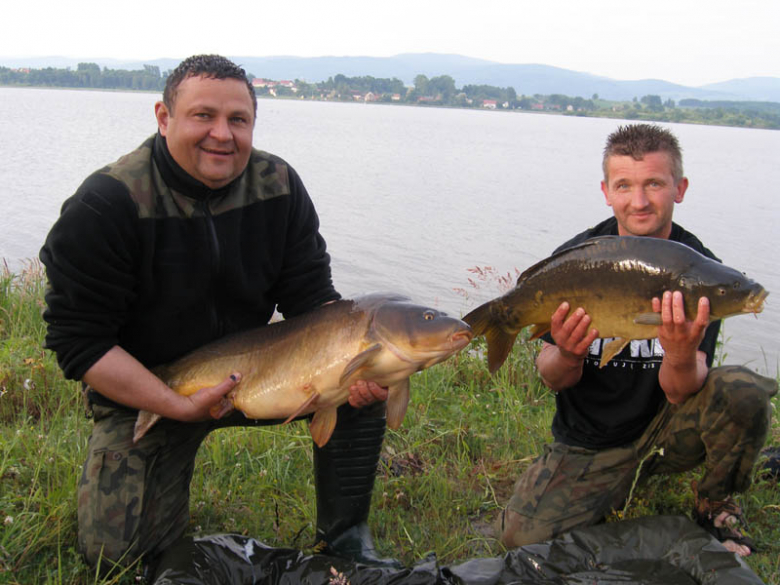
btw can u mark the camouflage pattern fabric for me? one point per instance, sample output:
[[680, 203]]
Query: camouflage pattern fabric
[[133, 499], [723, 426]]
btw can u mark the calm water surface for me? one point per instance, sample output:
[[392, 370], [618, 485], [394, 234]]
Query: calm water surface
[[412, 199]]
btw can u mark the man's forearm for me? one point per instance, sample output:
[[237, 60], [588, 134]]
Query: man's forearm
[[120, 377], [558, 371], [680, 379]]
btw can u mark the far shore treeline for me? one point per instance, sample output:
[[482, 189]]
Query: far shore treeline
[[439, 91]]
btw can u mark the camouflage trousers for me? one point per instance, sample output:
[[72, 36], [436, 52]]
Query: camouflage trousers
[[723, 426], [133, 499]]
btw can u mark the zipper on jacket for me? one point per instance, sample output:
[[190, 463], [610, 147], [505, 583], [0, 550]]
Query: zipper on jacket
[[216, 268]]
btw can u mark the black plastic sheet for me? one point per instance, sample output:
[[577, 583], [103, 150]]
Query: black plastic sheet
[[666, 550]]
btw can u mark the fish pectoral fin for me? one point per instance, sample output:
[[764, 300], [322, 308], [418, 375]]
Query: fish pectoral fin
[[397, 401], [322, 425], [306, 403], [499, 345], [359, 362], [143, 423], [537, 330], [648, 319], [611, 349]]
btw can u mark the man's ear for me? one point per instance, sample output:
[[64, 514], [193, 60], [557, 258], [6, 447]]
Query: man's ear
[[605, 190], [681, 187], [162, 114]]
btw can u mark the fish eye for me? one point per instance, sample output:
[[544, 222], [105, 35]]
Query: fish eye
[[429, 315], [721, 291]]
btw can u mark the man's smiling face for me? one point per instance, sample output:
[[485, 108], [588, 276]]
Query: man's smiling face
[[209, 128]]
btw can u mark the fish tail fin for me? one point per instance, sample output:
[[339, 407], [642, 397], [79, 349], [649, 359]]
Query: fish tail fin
[[483, 322], [145, 421], [480, 319]]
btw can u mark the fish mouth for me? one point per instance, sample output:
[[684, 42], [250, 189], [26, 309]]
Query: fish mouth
[[755, 302], [461, 339]]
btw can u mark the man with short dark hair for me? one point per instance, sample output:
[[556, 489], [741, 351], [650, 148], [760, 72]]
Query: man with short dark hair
[[656, 407], [193, 236]]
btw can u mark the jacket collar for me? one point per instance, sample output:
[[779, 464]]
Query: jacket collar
[[180, 180]]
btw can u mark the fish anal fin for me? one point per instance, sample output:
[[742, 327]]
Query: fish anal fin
[[359, 362], [145, 421], [397, 401], [322, 425], [499, 345], [611, 349], [537, 330], [312, 399], [648, 319]]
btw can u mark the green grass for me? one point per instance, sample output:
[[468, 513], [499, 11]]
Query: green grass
[[444, 474]]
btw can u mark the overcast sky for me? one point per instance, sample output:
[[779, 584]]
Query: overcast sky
[[691, 42]]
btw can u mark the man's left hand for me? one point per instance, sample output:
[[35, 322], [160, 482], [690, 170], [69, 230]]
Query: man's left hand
[[363, 393], [679, 337]]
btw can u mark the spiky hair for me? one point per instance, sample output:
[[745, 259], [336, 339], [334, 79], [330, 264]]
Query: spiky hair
[[637, 140]]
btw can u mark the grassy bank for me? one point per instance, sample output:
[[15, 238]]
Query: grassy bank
[[444, 475]]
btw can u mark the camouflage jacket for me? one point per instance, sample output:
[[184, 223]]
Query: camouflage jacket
[[145, 257]]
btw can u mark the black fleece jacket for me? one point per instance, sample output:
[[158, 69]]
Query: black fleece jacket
[[145, 257]]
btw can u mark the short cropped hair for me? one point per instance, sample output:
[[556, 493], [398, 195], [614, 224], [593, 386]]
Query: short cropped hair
[[637, 140], [210, 66]]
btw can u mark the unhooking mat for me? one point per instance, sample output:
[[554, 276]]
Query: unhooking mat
[[665, 550]]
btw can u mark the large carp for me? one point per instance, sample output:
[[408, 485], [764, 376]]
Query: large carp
[[614, 278], [306, 364]]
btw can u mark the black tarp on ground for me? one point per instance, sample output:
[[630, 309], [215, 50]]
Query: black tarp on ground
[[670, 550]]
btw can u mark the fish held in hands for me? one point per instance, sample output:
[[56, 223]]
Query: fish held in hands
[[306, 364], [614, 279]]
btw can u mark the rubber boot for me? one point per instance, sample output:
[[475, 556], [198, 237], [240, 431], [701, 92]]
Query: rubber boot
[[344, 471]]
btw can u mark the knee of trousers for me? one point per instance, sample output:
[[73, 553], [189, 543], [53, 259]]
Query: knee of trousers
[[741, 394]]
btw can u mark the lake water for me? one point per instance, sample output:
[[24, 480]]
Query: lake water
[[412, 199]]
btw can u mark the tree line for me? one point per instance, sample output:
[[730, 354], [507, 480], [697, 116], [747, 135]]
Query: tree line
[[87, 75], [434, 91]]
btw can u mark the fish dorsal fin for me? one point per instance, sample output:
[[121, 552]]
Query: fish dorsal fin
[[397, 401], [499, 345], [302, 408], [537, 330], [611, 349], [359, 362], [648, 319], [322, 425]]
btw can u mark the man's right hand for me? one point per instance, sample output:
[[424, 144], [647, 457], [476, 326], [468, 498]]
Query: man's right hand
[[560, 365], [571, 334], [212, 402]]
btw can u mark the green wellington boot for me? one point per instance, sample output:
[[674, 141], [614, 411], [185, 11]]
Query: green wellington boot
[[344, 471]]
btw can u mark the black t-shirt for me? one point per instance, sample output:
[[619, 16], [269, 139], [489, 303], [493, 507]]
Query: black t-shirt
[[612, 406]]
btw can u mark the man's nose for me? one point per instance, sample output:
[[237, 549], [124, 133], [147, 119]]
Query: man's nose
[[220, 129], [639, 198]]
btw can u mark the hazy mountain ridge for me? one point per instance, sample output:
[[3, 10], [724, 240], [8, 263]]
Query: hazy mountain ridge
[[527, 79]]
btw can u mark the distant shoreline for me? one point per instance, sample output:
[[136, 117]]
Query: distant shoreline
[[610, 110]]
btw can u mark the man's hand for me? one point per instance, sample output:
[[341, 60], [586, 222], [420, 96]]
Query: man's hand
[[211, 402], [363, 393], [560, 365], [571, 334], [679, 337], [684, 367]]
